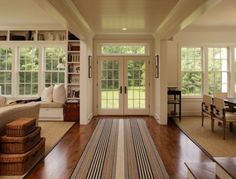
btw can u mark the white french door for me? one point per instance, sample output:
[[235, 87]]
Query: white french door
[[122, 86]]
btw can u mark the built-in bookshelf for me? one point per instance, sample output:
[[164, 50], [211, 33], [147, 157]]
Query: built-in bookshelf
[[51, 35], [33, 35], [73, 67], [3, 35]]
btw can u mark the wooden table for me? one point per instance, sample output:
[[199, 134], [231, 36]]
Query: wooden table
[[231, 102]]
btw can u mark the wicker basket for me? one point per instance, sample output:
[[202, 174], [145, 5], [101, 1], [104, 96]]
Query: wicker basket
[[20, 127], [18, 164], [16, 145]]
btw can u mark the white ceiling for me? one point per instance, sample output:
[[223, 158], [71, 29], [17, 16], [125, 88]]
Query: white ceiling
[[22, 12], [222, 15], [138, 16], [109, 16]]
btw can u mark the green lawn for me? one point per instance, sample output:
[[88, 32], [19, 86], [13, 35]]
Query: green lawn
[[136, 98]]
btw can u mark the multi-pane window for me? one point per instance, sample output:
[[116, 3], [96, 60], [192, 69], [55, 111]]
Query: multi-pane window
[[217, 70], [55, 66], [28, 70], [191, 71], [5, 70]]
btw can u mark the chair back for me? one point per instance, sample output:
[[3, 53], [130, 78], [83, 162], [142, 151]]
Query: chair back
[[218, 109], [220, 95], [207, 102]]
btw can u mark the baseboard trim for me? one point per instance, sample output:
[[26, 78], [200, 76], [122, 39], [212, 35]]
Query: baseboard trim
[[191, 113]]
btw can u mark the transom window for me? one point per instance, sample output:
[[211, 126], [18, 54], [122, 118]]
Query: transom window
[[55, 66], [5, 71], [123, 49], [191, 71], [28, 70]]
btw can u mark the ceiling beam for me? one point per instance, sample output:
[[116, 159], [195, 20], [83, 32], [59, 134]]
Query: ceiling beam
[[183, 14], [69, 16]]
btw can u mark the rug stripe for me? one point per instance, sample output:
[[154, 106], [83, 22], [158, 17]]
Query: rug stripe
[[156, 162], [109, 164], [143, 162], [120, 169], [132, 171], [95, 169]]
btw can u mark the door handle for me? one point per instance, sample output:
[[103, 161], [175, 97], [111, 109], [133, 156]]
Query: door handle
[[120, 89], [125, 89]]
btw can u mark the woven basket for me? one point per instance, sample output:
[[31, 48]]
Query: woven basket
[[16, 145], [18, 164], [20, 127]]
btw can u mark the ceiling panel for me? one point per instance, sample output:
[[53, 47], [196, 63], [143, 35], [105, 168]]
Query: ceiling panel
[[138, 16], [23, 12], [222, 15]]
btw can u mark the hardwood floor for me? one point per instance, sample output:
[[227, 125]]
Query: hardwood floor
[[174, 147]]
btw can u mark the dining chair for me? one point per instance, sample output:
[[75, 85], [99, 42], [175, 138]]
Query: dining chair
[[219, 113], [220, 95], [206, 106]]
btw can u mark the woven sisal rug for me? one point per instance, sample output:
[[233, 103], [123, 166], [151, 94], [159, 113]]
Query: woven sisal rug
[[120, 149]]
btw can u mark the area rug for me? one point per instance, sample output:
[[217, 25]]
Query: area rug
[[120, 149], [53, 132], [212, 142]]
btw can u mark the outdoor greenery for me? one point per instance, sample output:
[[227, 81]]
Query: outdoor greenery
[[123, 49], [191, 71], [28, 70], [5, 70], [217, 70], [54, 75]]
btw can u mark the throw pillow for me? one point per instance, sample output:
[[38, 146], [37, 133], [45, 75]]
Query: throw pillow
[[59, 93], [46, 95]]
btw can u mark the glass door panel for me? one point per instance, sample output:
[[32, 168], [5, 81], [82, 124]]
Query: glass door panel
[[135, 84], [110, 86]]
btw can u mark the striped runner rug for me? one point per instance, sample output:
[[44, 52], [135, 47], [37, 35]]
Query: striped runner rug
[[120, 149]]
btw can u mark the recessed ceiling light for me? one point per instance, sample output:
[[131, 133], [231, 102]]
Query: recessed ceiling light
[[124, 28]]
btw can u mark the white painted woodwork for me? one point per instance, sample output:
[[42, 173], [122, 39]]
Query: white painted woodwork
[[183, 14], [55, 114]]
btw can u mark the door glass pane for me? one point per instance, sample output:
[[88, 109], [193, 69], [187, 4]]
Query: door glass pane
[[136, 84], [109, 84]]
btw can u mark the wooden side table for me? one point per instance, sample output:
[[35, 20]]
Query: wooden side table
[[71, 110]]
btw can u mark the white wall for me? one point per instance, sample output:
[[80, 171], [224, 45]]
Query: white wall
[[85, 86], [191, 106]]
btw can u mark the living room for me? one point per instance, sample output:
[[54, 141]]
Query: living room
[[72, 64]]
